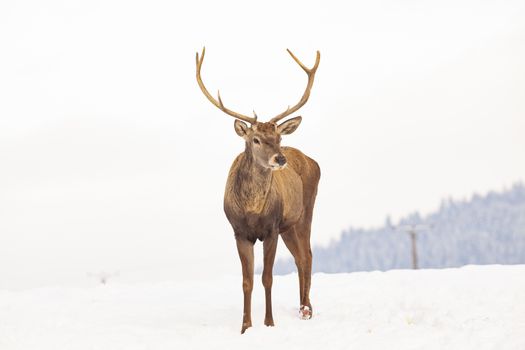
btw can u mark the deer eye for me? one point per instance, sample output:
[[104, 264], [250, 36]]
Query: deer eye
[[256, 141]]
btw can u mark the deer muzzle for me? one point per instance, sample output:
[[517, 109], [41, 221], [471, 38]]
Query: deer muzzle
[[277, 161]]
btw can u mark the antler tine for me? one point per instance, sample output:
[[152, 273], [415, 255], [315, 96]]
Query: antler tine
[[311, 75], [218, 103]]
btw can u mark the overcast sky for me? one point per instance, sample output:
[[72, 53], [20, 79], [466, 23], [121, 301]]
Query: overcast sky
[[111, 159]]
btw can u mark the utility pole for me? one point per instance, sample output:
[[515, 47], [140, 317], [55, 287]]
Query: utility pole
[[413, 230]]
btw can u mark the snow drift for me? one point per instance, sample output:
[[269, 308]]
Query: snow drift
[[474, 307]]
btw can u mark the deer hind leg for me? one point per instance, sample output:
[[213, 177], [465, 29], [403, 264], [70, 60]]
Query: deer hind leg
[[245, 249], [306, 307], [269, 248], [304, 228], [303, 260]]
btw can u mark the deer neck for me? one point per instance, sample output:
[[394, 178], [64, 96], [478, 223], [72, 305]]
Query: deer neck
[[253, 184]]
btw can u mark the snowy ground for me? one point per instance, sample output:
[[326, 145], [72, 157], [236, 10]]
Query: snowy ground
[[475, 307]]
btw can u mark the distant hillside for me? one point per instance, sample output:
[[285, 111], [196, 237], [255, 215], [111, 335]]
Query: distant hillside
[[486, 229]]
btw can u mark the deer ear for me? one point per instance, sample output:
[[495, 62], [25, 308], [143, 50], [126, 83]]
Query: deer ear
[[289, 126], [241, 128]]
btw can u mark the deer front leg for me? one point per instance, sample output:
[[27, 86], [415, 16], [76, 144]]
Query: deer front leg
[[269, 249], [245, 249]]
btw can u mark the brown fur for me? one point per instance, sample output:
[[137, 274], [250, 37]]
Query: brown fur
[[261, 204], [265, 127]]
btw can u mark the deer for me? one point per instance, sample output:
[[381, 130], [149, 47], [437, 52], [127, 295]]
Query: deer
[[270, 191]]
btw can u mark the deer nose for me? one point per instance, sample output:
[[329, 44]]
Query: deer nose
[[280, 159]]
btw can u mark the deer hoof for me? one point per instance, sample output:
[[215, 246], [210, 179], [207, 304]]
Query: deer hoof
[[245, 326], [305, 312], [269, 323]]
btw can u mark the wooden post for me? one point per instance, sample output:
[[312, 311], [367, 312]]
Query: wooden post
[[413, 238], [412, 230]]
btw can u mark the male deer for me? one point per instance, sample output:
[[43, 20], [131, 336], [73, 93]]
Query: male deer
[[270, 191]]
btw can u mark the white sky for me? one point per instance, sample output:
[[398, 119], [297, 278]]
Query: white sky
[[112, 159]]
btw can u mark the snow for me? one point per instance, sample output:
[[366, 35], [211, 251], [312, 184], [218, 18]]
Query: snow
[[474, 307]]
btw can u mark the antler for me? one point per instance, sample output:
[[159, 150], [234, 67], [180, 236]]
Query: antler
[[218, 103], [306, 95]]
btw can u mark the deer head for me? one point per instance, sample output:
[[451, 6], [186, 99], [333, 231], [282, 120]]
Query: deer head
[[263, 139]]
